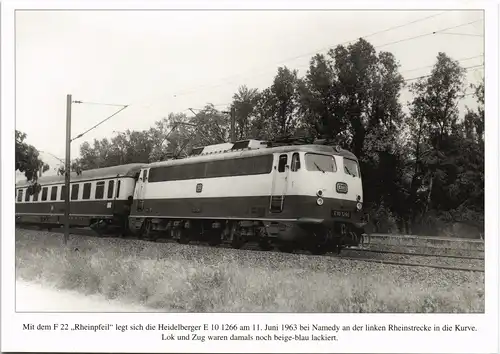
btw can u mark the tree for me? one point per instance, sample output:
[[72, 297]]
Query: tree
[[320, 101], [277, 107], [351, 97], [436, 137], [28, 159], [167, 136], [244, 103]]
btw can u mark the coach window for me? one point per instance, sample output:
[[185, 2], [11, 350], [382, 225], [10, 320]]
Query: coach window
[[44, 193], [282, 163], [53, 193], [27, 196], [74, 191], [19, 195], [99, 190], [111, 186], [63, 193], [86, 190], [35, 195], [295, 162]]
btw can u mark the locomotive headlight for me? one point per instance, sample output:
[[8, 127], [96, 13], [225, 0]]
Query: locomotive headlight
[[319, 201], [319, 193], [359, 206]]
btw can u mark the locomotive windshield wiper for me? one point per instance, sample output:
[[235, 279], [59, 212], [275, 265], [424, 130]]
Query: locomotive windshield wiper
[[319, 168], [349, 172]]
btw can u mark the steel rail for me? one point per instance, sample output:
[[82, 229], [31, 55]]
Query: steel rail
[[414, 254]]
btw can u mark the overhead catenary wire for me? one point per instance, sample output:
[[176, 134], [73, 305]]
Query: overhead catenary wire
[[188, 91], [424, 76], [225, 81], [427, 34], [463, 34], [197, 88], [98, 124], [406, 79], [364, 37], [100, 104], [430, 66]]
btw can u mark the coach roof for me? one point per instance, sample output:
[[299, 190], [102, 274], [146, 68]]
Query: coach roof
[[129, 170], [325, 149]]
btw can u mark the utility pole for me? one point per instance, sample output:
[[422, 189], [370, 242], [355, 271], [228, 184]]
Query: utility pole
[[67, 169], [67, 162]]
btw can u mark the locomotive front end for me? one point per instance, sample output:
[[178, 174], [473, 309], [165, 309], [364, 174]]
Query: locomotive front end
[[332, 200]]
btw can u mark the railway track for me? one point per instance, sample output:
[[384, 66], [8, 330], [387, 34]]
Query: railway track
[[89, 232], [427, 247], [416, 254], [427, 238]]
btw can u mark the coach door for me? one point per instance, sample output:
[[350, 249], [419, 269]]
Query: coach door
[[280, 184], [141, 189]]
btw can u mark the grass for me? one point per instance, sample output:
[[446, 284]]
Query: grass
[[176, 278]]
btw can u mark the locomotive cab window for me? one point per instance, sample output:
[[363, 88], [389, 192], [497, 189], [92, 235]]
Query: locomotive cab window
[[320, 163], [111, 185], [282, 163], [53, 193], [19, 195], [351, 167], [99, 190], [86, 190], [295, 162], [74, 191], [144, 175], [45, 191], [118, 189]]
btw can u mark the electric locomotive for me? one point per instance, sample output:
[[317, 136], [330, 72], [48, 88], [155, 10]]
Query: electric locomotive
[[292, 196]]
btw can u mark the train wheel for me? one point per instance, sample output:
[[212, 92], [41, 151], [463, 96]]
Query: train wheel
[[237, 240], [318, 249], [183, 236], [146, 229], [215, 238], [286, 247], [265, 245]]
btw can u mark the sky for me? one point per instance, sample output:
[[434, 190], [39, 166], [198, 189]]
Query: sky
[[159, 62]]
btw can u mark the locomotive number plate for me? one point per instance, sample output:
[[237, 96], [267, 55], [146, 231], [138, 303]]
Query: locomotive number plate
[[341, 214]]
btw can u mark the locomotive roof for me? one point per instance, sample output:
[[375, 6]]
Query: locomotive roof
[[255, 152], [107, 172]]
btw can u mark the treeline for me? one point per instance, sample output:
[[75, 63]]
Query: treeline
[[423, 171], [27, 158]]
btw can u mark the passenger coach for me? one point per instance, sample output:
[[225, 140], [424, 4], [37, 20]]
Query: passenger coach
[[98, 195]]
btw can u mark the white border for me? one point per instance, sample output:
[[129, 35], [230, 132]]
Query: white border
[[485, 340]]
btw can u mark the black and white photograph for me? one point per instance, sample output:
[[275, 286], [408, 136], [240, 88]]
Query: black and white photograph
[[263, 161]]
